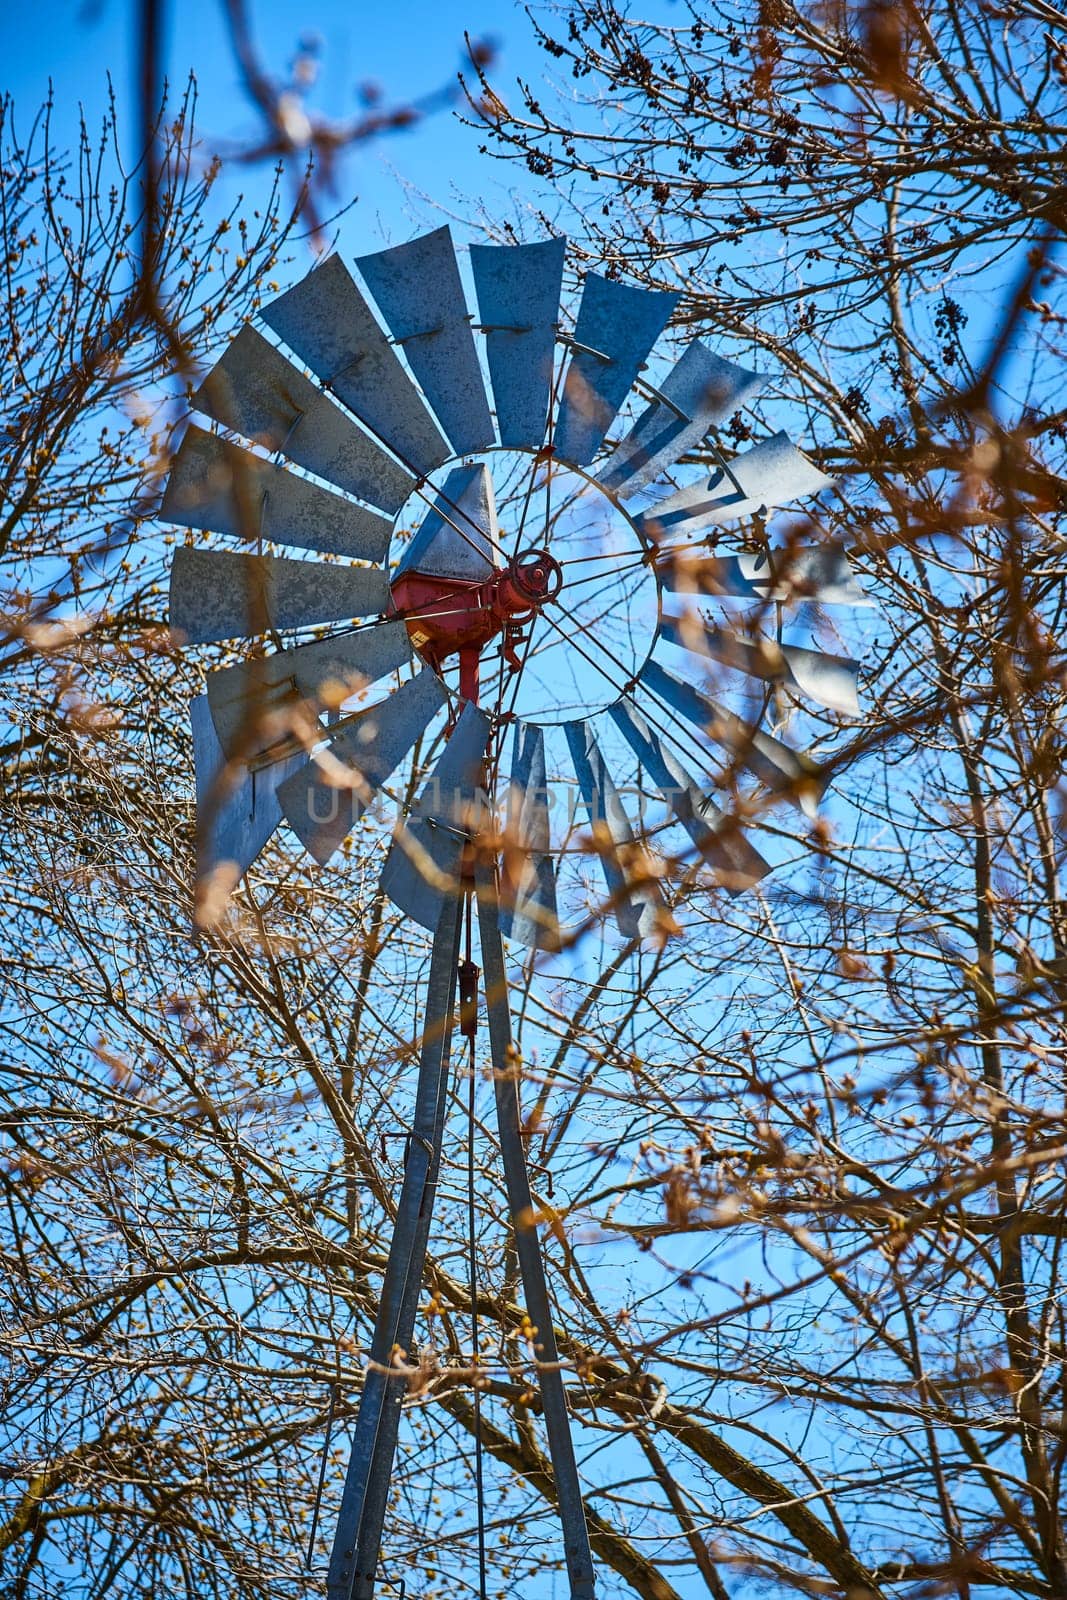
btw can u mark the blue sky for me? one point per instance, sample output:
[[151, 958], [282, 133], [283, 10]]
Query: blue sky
[[407, 47]]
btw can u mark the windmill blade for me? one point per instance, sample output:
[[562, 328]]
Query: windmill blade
[[830, 681], [782, 769], [518, 290], [701, 390], [528, 887], [770, 474], [265, 702], [256, 392], [218, 485], [459, 536], [820, 572], [333, 330], [325, 799], [637, 904], [738, 865], [422, 868], [236, 811], [218, 594], [616, 328], [418, 288]]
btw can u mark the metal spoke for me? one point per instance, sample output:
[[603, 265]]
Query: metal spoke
[[682, 739]]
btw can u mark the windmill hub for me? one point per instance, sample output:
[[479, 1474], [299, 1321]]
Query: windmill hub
[[550, 597], [448, 615]]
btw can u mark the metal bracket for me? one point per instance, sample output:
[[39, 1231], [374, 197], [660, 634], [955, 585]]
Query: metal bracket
[[587, 350], [420, 333], [468, 999]]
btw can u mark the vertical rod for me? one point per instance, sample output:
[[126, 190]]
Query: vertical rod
[[470, 660], [468, 1022], [357, 1542], [520, 1204], [322, 1478], [476, 1352]]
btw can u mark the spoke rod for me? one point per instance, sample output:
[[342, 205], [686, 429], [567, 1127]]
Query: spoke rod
[[535, 1287], [683, 739], [357, 1542]]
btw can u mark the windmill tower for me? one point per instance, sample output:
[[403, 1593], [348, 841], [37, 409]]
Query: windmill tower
[[572, 594]]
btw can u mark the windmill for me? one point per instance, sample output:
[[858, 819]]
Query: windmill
[[383, 406]]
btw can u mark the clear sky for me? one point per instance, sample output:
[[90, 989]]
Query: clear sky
[[408, 47]]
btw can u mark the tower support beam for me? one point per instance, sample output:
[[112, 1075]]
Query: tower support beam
[[531, 1265], [357, 1542]]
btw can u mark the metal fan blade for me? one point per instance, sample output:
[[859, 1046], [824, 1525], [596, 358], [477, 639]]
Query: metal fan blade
[[238, 812], [700, 391], [218, 594], [459, 536], [770, 474], [418, 288], [617, 326], [518, 301], [636, 904], [268, 701], [829, 680], [325, 799], [819, 573], [738, 865], [422, 867], [218, 485], [329, 324], [782, 769], [528, 913], [255, 391]]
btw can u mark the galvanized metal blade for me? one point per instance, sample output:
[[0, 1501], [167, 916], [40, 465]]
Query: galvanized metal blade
[[236, 810], [325, 799], [518, 290], [422, 868], [782, 769], [528, 913], [617, 326], [220, 594], [459, 536], [418, 288], [218, 485], [831, 681], [329, 324], [818, 573], [701, 390], [531, 1266], [770, 474], [259, 394], [632, 887], [357, 1542], [267, 703], [737, 863]]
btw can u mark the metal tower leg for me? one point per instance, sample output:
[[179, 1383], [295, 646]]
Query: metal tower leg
[[354, 1557], [535, 1288]]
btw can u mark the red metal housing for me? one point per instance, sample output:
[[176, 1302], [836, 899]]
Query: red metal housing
[[452, 616]]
